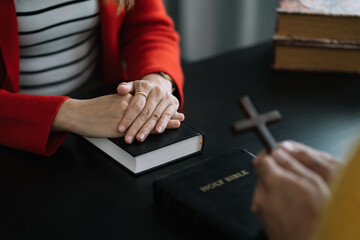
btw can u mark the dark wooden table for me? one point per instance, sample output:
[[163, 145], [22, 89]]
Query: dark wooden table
[[78, 193]]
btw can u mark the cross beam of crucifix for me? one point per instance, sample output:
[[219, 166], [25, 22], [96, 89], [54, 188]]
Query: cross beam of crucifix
[[258, 122]]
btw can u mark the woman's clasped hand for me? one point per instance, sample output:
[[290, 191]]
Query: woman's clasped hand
[[124, 114]]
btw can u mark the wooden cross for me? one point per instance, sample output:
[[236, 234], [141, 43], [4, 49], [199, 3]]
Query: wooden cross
[[258, 122]]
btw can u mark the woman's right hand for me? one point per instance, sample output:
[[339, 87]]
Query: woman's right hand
[[96, 117], [294, 181], [289, 197]]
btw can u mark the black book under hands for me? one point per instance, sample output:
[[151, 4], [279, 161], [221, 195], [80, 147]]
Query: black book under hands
[[214, 195], [156, 150]]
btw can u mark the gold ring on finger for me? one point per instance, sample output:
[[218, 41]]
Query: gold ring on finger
[[142, 93]]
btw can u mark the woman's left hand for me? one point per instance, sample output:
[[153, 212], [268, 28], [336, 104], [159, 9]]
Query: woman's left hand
[[152, 107]]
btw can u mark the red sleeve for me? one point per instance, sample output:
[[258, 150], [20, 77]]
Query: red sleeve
[[150, 43], [25, 122]]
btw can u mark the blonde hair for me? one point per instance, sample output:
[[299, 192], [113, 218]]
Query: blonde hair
[[127, 4], [123, 4]]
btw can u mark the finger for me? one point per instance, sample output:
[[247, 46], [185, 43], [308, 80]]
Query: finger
[[298, 172], [149, 126], [125, 88], [262, 154], [258, 157], [165, 117], [154, 101], [265, 165], [178, 116], [289, 163], [173, 124], [301, 151], [144, 89], [151, 121], [136, 106], [320, 162]]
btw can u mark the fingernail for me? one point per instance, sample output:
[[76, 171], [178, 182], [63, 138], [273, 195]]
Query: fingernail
[[129, 139], [288, 146], [159, 129], [122, 128], [141, 136], [178, 124]]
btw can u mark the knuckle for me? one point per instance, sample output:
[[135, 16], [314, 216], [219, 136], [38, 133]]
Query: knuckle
[[159, 91], [145, 84], [168, 95], [138, 107], [145, 114], [176, 101], [155, 117], [167, 115], [172, 98]]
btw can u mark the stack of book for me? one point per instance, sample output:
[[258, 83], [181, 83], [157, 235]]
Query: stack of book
[[321, 35]]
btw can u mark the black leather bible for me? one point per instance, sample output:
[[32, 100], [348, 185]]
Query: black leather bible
[[156, 150], [214, 196]]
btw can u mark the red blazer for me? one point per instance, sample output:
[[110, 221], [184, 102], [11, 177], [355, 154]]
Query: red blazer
[[144, 37]]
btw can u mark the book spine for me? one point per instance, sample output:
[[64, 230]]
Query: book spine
[[186, 214], [174, 206], [190, 216]]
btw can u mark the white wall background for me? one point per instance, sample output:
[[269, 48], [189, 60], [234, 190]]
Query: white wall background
[[210, 27]]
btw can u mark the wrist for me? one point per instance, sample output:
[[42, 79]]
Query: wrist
[[63, 119], [161, 80]]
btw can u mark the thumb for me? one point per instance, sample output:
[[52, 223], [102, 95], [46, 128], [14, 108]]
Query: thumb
[[125, 88]]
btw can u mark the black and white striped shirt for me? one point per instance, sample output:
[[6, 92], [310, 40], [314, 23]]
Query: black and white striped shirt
[[58, 44]]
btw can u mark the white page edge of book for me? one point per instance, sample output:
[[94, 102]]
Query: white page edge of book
[[115, 152], [142, 162], [319, 13]]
